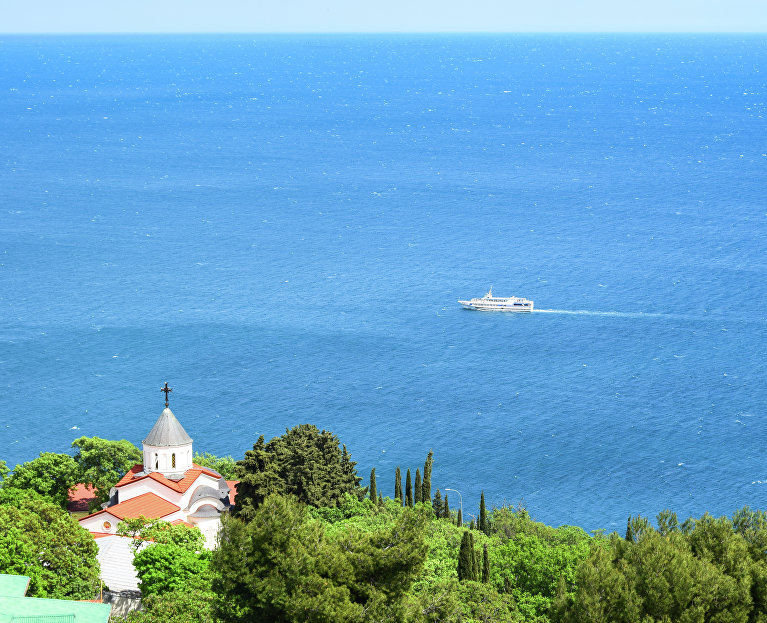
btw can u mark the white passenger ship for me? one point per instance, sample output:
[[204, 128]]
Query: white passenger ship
[[494, 303]]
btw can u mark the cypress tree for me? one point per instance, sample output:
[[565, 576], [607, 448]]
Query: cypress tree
[[482, 514], [446, 508], [471, 524], [459, 522], [426, 495], [373, 487], [477, 562], [380, 498], [486, 566], [398, 485], [437, 504], [418, 487], [408, 490], [466, 558]]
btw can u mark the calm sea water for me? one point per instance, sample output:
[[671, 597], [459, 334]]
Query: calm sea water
[[280, 228]]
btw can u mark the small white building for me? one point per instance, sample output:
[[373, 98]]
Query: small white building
[[166, 486]]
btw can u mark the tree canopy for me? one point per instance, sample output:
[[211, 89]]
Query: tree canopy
[[51, 475], [224, 465], [40, 540], [102, 462], [703, 570], [304, 462], [283, 566]]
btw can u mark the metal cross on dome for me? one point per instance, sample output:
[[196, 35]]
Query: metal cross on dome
[[167, 391]]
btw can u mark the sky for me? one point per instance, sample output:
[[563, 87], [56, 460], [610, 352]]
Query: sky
[[281, 16]]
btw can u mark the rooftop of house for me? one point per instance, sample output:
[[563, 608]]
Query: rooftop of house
[[80, 497], [14, 606], [147, 504], [137, 473]]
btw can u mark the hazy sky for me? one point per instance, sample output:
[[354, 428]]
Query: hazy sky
[[115, 16]]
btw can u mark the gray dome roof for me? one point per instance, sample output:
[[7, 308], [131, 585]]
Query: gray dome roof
[[167, 431], [205, 511]]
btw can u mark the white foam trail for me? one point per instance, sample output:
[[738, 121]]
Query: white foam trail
[[584, 312]]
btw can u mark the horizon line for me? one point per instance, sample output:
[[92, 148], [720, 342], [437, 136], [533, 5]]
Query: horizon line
[[386, 32]]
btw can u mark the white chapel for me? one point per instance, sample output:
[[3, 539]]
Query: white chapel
[[168, 486]]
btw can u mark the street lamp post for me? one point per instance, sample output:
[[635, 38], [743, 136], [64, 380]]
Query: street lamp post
[[460, 497]]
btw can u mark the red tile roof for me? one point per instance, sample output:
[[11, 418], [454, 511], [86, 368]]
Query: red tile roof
[[177, 485], [149, 505], [79, 498], [181, 522]]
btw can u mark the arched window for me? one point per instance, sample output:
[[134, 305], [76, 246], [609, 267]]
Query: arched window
[[173, 460], [156, 461]]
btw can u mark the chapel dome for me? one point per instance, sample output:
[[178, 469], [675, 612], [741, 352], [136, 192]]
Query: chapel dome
[[167, 431]]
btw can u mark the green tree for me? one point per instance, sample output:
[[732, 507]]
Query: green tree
[[398, 485], [3, 471], [437, 504], [663, 578], [224, 465], [409, 490], [304, 462], [373, 486], [51, 475], [667, 522], [426, 495], [446, 508], [459, 518], [40, 540], [637, 527], [467, 566], [485, 565], [418, 487], [191, 604], [483, 515], [164, 567], [102, 463], [158, 531], [282, 566]]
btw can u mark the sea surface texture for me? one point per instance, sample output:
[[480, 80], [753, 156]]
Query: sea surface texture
[[281, 227]]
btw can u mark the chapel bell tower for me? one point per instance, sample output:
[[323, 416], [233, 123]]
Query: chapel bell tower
[[167, 448]]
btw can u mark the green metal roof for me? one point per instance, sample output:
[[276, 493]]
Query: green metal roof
[[13, 585], [15, 608]]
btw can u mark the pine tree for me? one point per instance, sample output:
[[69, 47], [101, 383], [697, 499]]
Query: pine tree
[[459, 521], [398, 485], [446, 508], [437, 504], [486, 565], [427, 477], [483, 514], [418, 487], [408, 490], [373, 487]]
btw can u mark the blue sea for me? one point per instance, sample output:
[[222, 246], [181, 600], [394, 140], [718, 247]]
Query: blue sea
[[281, 227]]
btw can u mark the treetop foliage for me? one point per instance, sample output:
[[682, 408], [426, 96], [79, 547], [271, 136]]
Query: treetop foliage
[[51, 475], [351, 576], [40, 540], [102, 462], [224, 465], [304, 463]]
